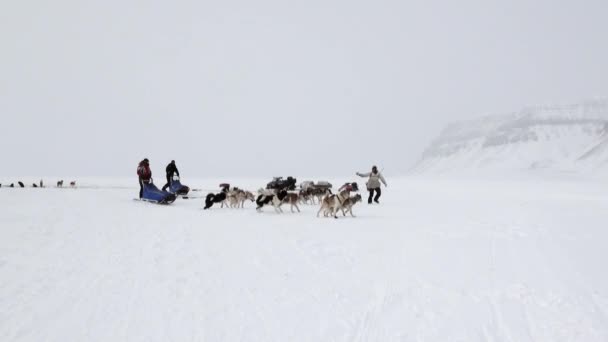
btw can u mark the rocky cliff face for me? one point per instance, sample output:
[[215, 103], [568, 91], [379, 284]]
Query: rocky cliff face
[[565, 138]]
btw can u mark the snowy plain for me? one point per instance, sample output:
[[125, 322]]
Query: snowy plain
[[438, 260]]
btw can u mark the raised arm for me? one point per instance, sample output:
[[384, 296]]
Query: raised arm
[[363, 174], [382, 179]]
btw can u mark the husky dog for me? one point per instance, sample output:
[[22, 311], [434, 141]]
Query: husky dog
[[274, 198], [217, 198], [319, 194], [309, 194], [347, 206], [311, 190], [327, 205], [245, 196], [292, 198], [60, 184], [333, 203], [305, 197], [237, 197], [231, 198]]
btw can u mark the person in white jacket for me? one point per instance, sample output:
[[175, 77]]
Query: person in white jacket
[[373, 183]]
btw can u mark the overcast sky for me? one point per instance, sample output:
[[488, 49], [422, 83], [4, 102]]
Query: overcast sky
[[267, 88]]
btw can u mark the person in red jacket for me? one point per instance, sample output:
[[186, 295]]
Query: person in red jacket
[[145, 174]]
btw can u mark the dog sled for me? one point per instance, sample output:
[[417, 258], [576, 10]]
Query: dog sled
[[153, 194], [177, 188]]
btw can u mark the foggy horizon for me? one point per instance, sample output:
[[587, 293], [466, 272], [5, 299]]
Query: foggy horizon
[[268, 88]]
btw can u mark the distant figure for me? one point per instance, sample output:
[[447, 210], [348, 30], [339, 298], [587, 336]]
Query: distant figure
[[145, 174], [171, 170], [373, 184], [21, 184], [60, 183], [41, 184], [34, 185], [73, 184]]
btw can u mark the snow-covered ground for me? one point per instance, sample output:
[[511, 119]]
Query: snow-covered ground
[[439, 260]]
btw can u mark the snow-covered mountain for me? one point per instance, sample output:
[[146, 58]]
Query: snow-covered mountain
[[561, 138]]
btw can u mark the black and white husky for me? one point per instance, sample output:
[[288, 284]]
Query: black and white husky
[[271, 198], [217, 198]]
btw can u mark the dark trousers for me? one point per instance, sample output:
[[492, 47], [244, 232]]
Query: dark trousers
[[141, 188], [371, 195], [168, 182]]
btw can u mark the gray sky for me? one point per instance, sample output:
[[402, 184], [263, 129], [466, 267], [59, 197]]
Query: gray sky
[[267, 88]]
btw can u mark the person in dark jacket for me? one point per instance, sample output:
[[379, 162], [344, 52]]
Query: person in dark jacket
[[145, 174], [171, 170]]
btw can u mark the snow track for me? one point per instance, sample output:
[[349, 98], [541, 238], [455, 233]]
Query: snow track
[[439, 260]]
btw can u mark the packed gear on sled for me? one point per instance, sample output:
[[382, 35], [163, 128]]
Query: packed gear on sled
[[278, 183], [308, 185]]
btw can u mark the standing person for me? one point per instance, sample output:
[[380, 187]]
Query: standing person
[[373, 183], [145, 174], [171, 170]]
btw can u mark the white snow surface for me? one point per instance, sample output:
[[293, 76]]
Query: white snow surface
[[438, 260]]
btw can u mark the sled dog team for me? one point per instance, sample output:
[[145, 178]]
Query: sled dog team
[[330, 204], [282, 192]]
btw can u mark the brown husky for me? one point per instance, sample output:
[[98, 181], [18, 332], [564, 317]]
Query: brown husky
[[293, 199], [333, 203]]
